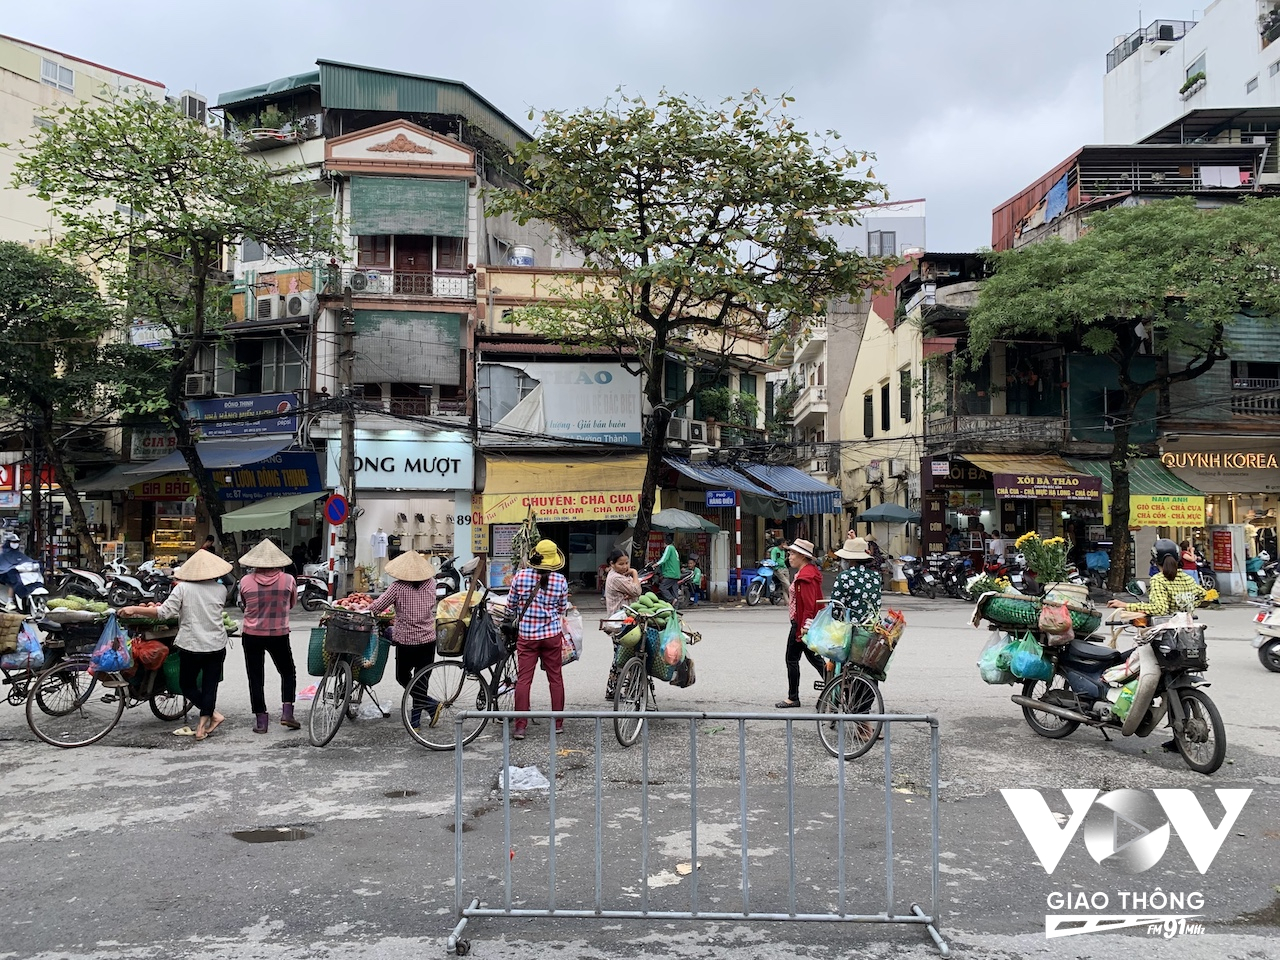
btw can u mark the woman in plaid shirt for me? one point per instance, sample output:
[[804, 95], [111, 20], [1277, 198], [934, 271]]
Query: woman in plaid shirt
[[269, 594], [413, 594], [539, 597]]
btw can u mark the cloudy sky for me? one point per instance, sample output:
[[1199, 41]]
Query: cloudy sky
[[964, 102]]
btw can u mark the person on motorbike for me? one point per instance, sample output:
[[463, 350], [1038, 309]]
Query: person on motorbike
[[778, 556], [1171, 589]]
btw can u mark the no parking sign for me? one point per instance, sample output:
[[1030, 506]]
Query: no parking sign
[[335, 509]]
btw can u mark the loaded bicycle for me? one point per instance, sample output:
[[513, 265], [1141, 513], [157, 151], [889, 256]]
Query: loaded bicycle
[[353, 649], [646, 658]]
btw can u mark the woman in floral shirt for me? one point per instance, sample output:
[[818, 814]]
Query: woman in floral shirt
[[858, 587]]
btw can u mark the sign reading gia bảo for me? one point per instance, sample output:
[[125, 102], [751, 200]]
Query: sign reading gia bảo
[[1044, 486], [549, 507]]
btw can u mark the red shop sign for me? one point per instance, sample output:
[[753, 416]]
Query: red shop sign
[[1222, 551]]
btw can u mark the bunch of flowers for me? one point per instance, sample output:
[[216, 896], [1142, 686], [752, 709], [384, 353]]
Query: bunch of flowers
[[988, 584], [1048, 558]]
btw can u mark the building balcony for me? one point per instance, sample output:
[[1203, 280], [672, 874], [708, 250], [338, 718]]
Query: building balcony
[[982, 431], [810, 405], [376, 282], [1254, 397], [819, 459], [812, 344]]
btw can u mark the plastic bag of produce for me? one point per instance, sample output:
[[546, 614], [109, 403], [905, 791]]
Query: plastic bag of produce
[[112, 653], [1124, 702], [29, 655], [1028, 660], [1055, 618], [672, 642], [993, 662], [571, 638], [829, 636]]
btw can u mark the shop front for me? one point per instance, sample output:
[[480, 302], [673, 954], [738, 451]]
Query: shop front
[[753, 507], [584, 503], [1240, 480], [415, 494]]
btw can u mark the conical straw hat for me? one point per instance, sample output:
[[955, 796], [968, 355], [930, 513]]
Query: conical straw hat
[[203, 565], [411, 566], [265, 556]]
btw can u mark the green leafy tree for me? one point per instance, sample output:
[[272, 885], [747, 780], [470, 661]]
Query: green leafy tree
[[153, 201], [52, 364], [1165, 275], [703, 228]]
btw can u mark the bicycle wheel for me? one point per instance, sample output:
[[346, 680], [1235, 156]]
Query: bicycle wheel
[[446, 684], [504, 697], [354, 701], [630, 694], [329, 708], [68, 707], [850, 692], [169, 706]]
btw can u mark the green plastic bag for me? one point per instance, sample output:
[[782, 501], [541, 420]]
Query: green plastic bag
[[829, 636]]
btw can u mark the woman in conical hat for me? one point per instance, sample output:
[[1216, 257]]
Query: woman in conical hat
[[269, 594], [197, 601], [413, 593]]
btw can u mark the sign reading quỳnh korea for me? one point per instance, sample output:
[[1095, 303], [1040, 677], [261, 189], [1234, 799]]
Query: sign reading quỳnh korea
[[597, 505], [1046, 486]]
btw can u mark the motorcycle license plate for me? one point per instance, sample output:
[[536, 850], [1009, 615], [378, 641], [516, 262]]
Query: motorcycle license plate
[[928, 578]]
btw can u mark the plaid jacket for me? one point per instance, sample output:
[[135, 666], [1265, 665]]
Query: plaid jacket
[[415, 621], [542, 619], [268, 598], [1164, 595]]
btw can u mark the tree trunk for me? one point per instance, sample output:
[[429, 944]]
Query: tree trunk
[[91, 556], [656, 448], [1118, 529]]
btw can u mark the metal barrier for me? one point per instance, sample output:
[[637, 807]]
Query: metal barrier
[[465, 911]]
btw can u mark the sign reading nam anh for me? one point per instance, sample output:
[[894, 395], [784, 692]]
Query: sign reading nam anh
[[1044, 486]]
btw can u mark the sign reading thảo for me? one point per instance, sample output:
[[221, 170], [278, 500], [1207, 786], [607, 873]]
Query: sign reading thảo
[[1160, 511], [597, 505], [1047, 487]]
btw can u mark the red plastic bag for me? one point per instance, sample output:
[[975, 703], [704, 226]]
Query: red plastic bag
[[1055, 618]]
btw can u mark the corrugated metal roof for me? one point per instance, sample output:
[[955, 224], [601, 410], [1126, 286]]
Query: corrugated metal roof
[[298, 81], [346, 86]]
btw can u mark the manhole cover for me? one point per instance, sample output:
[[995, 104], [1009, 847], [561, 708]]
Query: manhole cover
[[272, 834], [397, 794]]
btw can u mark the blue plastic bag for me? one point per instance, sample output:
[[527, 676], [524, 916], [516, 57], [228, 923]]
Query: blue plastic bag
[[29, 655], [112, 654], [829, 636], [1028, 660]]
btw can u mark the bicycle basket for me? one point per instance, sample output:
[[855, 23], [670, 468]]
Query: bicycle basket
[[451, 636], [347, 632], [1181, 648], [83, 635]]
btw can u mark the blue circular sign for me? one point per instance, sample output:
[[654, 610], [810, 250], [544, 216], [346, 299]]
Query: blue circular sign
[[335, 509]]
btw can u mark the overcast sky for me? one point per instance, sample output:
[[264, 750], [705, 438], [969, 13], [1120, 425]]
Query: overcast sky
[[964, 102]]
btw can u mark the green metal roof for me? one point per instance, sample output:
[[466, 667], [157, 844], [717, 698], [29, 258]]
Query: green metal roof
[[1148, 477], [299, 81]]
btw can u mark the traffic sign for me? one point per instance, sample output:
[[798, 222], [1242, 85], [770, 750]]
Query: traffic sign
[[335, 509]]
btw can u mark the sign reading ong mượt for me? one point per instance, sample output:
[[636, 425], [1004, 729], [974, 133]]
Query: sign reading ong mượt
[[597, 505], [1043, 486]]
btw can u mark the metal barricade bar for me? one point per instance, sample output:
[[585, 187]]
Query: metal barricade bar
[[915, 916]]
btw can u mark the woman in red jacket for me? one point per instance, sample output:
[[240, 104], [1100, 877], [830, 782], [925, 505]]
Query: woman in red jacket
[[806, 591]]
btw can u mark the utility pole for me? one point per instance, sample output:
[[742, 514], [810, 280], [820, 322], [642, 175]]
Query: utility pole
[[347, 453]]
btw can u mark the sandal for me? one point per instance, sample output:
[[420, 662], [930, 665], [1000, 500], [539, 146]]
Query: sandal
[[785, 704]]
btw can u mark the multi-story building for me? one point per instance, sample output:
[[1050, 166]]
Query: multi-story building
[[406, 160], [1225, 62]]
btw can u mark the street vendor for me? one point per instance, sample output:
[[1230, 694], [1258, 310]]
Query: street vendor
[[806, 591], [269, 594], [621, 586], [196, 602], [413, 594], [857, 587]]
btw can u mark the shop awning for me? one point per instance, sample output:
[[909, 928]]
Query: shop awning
[[1031, 477], [604, 487], [120, 477], [275, 513], [755, 498], [1148, 477], [216, 455], [809, 494]]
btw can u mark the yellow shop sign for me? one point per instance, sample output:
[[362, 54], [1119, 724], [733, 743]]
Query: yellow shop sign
[[551, 507], [1160, 511]]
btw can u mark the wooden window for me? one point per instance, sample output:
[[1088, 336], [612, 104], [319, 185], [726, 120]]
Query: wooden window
[[451, 254], [868, 415], [885, 419], [375, 251], [904, 391]]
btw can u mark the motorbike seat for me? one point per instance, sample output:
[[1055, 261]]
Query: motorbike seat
[[1096, 653]]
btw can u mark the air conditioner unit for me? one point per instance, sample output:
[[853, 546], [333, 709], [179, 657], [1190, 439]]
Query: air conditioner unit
[[198, 384], [897, 468], [300, 304], [874, 472], [193, 106], [678, 429], [270, 307], [697, 431], [369, 281]]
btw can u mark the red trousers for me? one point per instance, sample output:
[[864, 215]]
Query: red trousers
[[549, 650]]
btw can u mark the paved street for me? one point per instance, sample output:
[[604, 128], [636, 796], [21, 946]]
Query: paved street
[[125, 848]]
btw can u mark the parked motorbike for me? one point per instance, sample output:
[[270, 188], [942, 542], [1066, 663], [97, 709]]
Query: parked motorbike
[[149, 585], [448, 580], [1267, 642], [24, 580], [954, 575], [313, 592], [79, 582], [682, 593], [1132, 691], [765, 585], [1256, 569], [920, 581]]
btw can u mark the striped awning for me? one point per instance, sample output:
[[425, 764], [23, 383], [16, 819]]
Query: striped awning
[[1148, 477], [755, 498], [809, 494]]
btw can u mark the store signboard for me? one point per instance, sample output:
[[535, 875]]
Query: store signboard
[[151, 444], [1222, 551], [1047, 486], [600, 402], [169, 487], [554, 507], [1160, 511], [8, 475], [243, 416], [283, 475], [1225, 464], [426, 464], [10, 500]]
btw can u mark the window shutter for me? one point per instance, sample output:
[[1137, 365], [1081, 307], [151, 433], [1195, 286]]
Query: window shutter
[[411, 206]]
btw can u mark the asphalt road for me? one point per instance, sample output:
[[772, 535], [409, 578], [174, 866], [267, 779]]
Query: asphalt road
[[125, 848]]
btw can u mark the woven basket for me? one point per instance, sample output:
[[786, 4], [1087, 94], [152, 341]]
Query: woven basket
[[1010, 611]]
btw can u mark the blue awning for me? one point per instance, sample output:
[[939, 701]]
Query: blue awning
[[217, 455], [809, 494], [755, 498]]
